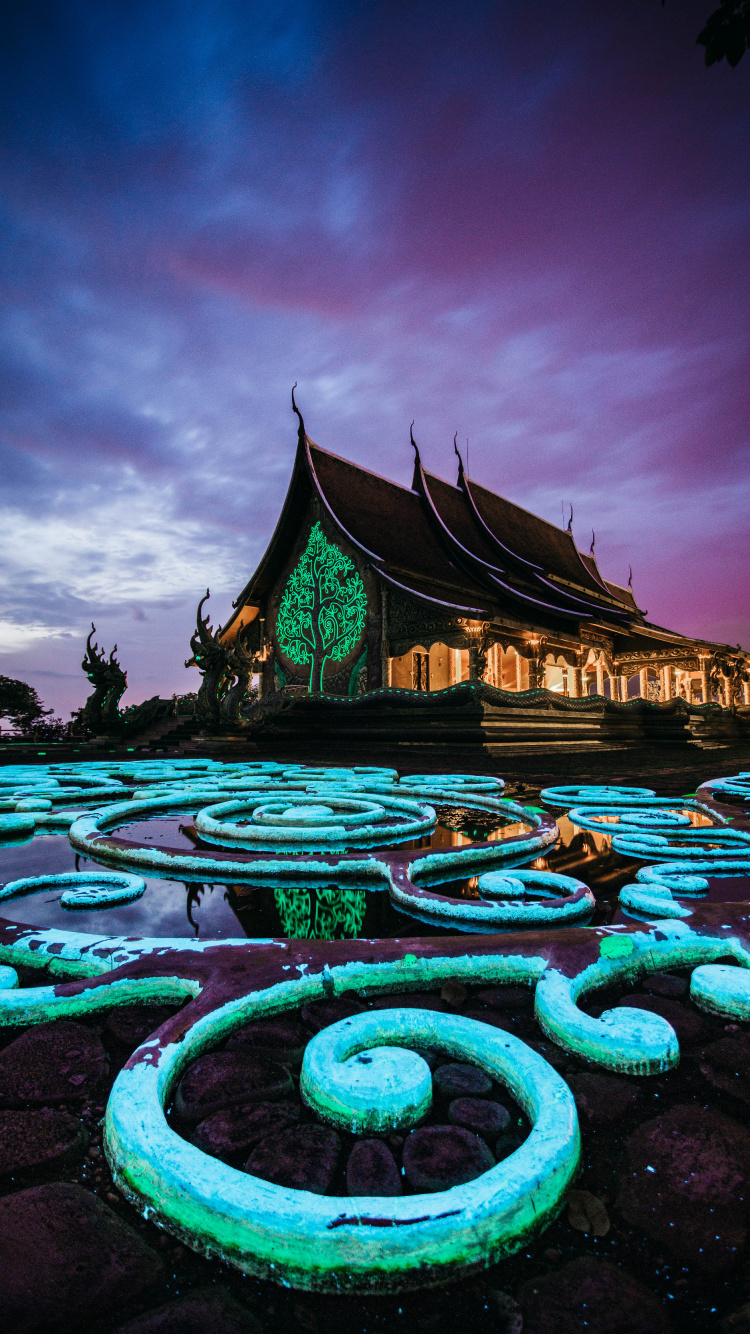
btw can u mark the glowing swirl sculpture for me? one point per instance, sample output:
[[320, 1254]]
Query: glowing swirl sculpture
[[611, 819], [299, 826], [362, 1244], [296, 822], [732, 788], [562, 798], [687, 844], [364, 1073], [663, 834], [517, 900], [87, 889]]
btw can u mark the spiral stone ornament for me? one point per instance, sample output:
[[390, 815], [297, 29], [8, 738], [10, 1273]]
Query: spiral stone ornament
[[361, 1244], [508, 899], [738, 786], [81, 889], [302, 822]]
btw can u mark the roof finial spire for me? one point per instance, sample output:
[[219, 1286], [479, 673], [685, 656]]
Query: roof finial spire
[[301, 430], [460, 460], [593, 542], [630, 578], [570, 521], [413, 441]]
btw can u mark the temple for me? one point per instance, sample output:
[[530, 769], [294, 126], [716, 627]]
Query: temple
[[366, 584]]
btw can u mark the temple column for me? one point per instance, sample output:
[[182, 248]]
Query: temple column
[[599, 677], [746, 692], [536, 674], [666, 682], [705, 682], [519, 673], [643, 674], [575, 682], [623, 688], [614, 687]]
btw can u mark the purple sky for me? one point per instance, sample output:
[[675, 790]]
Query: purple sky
[[527, 222]]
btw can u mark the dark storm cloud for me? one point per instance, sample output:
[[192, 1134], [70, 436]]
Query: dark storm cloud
[[524, 221]]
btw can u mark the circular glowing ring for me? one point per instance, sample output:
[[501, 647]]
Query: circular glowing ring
[[595, 794], [504, 903], [656, 847], [89, 889], [344, 822], [675, 877], [599, 819], [737, 786], [365, 1244], [88, 834], [460, 783]]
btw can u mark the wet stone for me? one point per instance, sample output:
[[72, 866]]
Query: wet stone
[[590, 1296], [602, 1099], [66, 1258], [52, 1063], [505, 998], [666, 984], [507, 1143], [522, 1026], [130, 1025], [439, 1157], [479, 1115], [42, 1140], [280, 1038], [226, 1079], [204, 1311], [453, 992], [320, 1014], [303, 1158], [372, 1170], [431, 1058], [686, 1185], [234, 1131], [726, 1065], [461, 1081], [689, 1027]]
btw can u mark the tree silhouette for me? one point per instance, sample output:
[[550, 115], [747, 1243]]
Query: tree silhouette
[[20, 702], [322, 609], [726, 32]]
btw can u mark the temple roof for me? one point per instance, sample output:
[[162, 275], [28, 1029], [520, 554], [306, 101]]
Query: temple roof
[[460, 547]]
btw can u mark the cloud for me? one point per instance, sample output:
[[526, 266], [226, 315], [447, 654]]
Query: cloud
[[14, 637], [528, 224], [113, 552]]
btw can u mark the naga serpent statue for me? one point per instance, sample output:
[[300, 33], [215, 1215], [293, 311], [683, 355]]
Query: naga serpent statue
[[101, 713], [212, 658], [226, 669]]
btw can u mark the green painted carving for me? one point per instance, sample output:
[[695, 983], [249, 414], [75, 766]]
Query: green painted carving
[[322, 610]]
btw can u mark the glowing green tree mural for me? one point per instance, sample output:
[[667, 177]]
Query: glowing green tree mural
[[324, 913], [322, 609]]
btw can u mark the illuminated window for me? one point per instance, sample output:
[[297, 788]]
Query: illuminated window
[[322, 610]]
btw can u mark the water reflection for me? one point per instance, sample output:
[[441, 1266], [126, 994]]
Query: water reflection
[[324, 911], [320, 913]]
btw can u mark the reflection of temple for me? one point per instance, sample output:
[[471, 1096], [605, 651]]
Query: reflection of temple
[[368, 584]]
